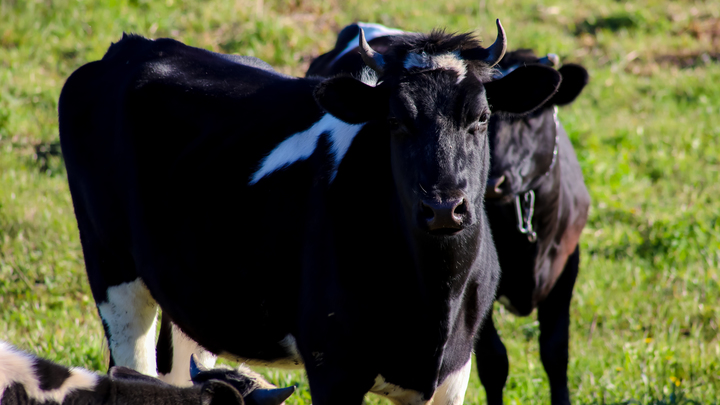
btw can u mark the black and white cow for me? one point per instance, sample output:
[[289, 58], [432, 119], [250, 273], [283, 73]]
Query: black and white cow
[[340, 221], [538, 206], [30, 380]]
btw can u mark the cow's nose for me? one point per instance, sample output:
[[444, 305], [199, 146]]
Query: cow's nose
[[493, 189], [444, 217]]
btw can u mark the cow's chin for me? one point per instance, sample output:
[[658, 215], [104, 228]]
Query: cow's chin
[[445, 232]]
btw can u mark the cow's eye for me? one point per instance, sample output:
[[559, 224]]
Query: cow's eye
[[393, 123], [484, 117]]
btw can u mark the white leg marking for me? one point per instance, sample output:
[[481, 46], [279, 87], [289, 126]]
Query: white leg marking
[[130, 314], [452, 390], [183, 348], [302, 144], [17, 367]]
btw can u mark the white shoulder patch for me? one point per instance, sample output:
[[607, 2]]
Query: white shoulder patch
[[372, 31], [302, 144], [17, 367], [447, 61]]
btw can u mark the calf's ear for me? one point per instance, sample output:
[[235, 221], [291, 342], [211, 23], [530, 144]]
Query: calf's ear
[[574, 79], [128, 374], [196, 366], [523, 90], [351, 100], [215, 392]]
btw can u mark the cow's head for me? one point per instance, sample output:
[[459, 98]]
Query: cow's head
[[429, 94], [524, 147], [250, 385]]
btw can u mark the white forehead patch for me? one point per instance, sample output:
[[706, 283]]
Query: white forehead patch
[[446, 61], [301, 145]]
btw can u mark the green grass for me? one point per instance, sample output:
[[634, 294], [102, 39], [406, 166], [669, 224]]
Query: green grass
[[647, 303]]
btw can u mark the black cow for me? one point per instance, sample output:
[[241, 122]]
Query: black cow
[[29, 380], [538, 206], [340, 222]]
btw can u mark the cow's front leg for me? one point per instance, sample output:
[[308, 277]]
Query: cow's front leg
[[554, 319], [452, 390], [492, 361], [129, 314]]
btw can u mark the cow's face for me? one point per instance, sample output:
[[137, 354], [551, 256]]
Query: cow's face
[[438, 136], [524, 147], [431, 99], [433, 95], [523, 150]]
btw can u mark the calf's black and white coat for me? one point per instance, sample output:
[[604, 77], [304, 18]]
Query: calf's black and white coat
[[335, 224], [29, 380]]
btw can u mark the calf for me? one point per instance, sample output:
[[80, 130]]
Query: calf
[[537, 207], [272, 193], [29, 380]]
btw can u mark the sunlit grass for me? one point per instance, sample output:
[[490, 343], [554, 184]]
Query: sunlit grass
[[647, 302]]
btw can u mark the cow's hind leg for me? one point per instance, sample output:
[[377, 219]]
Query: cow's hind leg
[[126, 308], [492, 361], [554, 319], [174, 349]]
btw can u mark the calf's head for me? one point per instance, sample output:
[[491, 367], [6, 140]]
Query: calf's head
[[253, 388], [524, 147], [428, 93]]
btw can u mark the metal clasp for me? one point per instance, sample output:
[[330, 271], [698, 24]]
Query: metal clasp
[[524, 211]]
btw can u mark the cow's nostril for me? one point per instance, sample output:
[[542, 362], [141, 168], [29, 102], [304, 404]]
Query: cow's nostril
[[426, 211], [461, 209]]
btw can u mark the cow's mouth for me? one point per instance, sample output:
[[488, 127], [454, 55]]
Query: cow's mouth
[[445, 232]]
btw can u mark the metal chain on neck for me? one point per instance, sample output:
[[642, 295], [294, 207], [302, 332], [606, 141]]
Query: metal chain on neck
[[557, 138], [525, 209]]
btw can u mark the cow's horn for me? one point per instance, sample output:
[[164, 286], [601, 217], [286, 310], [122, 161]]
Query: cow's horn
[[196, 367], [497, 50], [269, 396], [371, 58]]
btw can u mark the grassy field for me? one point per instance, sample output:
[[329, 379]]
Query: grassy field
[[647, 303]]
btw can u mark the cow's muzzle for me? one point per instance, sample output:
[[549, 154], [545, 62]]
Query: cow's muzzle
[[444, 218]]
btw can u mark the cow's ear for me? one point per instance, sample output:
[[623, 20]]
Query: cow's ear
[[523, 90], [351, 100], [215, 392], [574, 80]]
